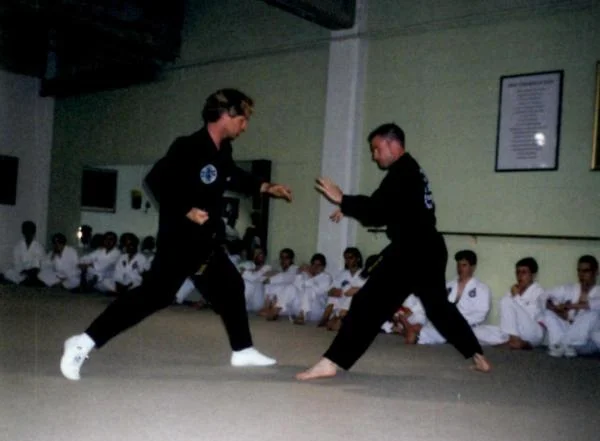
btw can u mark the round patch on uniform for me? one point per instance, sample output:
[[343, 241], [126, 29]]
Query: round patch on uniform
[[473, 293], [208, 174]]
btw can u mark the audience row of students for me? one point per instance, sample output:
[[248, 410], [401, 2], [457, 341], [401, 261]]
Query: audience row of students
[[566, 318], [108, 268]]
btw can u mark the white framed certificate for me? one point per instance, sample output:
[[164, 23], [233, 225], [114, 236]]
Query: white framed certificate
[[529, 121]]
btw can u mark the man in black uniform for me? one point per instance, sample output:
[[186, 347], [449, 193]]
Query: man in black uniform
[[414, 261], [188, 184]]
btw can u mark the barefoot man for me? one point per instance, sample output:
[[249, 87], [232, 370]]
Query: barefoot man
[[414, 261]]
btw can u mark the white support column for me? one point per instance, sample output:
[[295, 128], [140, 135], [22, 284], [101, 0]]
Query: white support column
[[343, 137]]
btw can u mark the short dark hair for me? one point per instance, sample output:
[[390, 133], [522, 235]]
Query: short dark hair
[[467, 255], [110, 234], [530, 263], [289, 252], [59, 238], [230, 101], [353, 251], [587, 258], [319, 258], [130, 237], [149, 243], [28, 227], [388, 130]]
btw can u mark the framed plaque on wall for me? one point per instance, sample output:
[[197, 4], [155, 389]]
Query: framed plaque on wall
[[529, 118]]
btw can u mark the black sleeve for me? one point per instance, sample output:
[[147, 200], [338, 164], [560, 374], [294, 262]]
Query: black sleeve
[[168, 182], [376, 210], [241, 181]]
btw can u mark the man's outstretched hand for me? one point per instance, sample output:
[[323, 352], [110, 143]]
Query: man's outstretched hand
[[336, 216], [330, 190], [277, 191]]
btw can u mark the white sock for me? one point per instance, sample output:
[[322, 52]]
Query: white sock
[[86, 342], [251, 357]]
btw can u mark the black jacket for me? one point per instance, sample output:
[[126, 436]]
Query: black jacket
[[195, 174], [403, 203]]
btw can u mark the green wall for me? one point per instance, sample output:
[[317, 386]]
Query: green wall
[[433, 67], [136, 125], [440, 83]]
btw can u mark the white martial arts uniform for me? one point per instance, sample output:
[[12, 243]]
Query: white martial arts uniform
[[417, 316], [254, 286], [345, 280], [127, 271], [246, 265], [280, 280], [520, 315], [582, 324], [102, 264], [236, 259], [307, 294], [61, 268], [25, 258], [185, 290], [473, 304]]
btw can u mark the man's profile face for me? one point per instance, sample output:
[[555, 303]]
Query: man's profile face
[[381, 152], [235, 125], [586, 274]]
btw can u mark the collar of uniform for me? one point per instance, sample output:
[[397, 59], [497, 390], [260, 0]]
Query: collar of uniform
[[401, 160], [204, 138]]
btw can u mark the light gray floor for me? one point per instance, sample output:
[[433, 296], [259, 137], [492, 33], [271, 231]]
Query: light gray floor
[[169, 379]]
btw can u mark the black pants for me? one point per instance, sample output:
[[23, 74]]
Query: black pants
[[220, 283], [418, 269]]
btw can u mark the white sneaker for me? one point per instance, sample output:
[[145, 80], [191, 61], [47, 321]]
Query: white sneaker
[[570, 352], [556, 350], [251, 357], [73, 357]]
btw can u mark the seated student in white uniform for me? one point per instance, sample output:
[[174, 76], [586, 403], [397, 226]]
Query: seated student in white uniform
[[521, 311], [129, 268], [254, 278], [61, 266], [471, 296], [408, 320], [345, 285], [28, 255], [305, 299], [571, 317], [99, 264], [277, 280]]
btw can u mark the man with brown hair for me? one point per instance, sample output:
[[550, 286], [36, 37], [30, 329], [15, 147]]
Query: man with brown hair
[[188, 183]]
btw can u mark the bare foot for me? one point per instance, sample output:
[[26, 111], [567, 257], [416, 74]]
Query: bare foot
[[517, 343], [481, 364], [411, 335], [323, 369]]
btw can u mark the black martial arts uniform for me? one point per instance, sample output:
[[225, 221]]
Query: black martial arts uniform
[[193, 174], [414, 262]]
